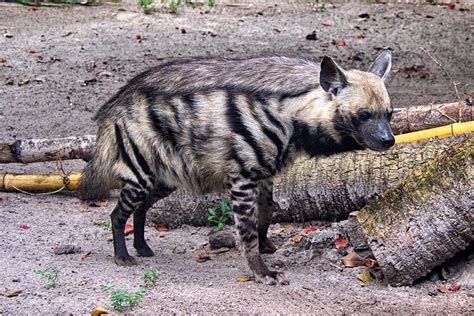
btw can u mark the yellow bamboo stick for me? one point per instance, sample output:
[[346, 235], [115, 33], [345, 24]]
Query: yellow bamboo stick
[[441, 132], [34, 182]]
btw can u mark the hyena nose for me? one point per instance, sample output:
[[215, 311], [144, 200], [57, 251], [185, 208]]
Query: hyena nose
[[388, 140]]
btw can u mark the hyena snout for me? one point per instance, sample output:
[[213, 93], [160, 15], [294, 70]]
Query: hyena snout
[[378, 136]]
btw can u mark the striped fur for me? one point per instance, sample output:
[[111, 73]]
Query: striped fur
[[208, 125]]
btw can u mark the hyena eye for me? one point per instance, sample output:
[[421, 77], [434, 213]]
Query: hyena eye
[[364, 116]]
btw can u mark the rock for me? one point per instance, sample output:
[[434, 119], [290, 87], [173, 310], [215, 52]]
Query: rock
[[221, 238], [66, 249]]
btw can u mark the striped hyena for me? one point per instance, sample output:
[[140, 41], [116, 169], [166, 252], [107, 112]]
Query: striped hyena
[[212, 124]]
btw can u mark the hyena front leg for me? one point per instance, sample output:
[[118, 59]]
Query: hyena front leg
[[265, 213], [139, 217], [244, 195]]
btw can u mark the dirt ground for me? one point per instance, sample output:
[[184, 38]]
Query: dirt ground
[[58, 65]]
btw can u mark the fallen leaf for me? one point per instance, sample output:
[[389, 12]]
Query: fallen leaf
[[2, 60], [99, 311], [352, 260], [340, 43], [32, 51], [277, 230], [276, 30], [326, 24], [202, 256], [442, 288], [341, 243], [297, 238], [31, 9], [24, 227], [371, 263], [85, 254], [161, 228], [128, 229], [88, 81], [423, 74], [451, 6], [139, 37], [360, 36], [288, 229], [365, 276], [454, 288], [242, 279], [310, 229], [364, 15], [10, 293]]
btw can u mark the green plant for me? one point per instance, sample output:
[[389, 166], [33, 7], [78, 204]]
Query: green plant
[[106, 224], [211, 3], [122, 300], [145, 5], [174, 4], [150, 276], [51, 275], [219, 220]]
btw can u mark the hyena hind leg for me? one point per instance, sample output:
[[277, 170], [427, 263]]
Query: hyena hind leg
[[139, 218], [132, 199], [265, 213], [244, 195]]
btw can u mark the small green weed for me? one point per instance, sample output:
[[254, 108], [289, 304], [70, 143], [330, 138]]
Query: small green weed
[[211, 3], [219, 220], [145, 5], [106, 224], [51, 275], [122, 300], [150, 276]]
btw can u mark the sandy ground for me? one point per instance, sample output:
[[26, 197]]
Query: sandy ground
[[77, 57]]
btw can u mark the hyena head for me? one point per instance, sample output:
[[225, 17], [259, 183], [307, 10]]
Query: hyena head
[[361, 101]]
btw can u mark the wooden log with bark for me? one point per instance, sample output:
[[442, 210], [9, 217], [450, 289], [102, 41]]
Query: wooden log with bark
[[422, 221], [313, 189], [404, 120]]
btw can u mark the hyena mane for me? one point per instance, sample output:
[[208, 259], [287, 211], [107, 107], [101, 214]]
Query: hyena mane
[[213, 124]]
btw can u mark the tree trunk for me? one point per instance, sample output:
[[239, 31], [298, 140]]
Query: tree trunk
[[425, 219], [404, 120], [324, 188]]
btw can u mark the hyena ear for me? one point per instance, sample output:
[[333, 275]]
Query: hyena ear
[[332, 77], [382, 64]]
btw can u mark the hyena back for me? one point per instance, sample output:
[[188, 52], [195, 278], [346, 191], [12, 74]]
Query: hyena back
[[214, 124]]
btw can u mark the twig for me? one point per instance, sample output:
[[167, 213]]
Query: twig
[[447, 75]]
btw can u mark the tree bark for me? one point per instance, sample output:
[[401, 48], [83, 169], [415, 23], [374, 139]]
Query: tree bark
[[425, 219], [404, 120]]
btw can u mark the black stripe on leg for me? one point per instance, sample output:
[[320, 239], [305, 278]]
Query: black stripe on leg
[[126, 158]]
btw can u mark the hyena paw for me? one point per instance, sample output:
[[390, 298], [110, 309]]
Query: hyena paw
[[272, 278], [145, 252], [125, 261], [266, 246]]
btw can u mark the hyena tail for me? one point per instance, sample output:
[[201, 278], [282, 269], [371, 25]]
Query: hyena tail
[[97, 178]]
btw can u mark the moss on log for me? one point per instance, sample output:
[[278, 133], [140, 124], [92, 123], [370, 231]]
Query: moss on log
[[425, 219]]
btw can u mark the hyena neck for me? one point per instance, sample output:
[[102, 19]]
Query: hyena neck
[[315, 132], [319, 141]]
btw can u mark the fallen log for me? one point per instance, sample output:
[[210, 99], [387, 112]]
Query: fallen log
[[422, 221], [404, 120], [38, 150], [324, 188]]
